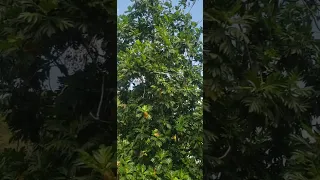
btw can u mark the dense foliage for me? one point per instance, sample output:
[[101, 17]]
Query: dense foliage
[[260, 90], [261, 84], [58, 131], [160, 89]]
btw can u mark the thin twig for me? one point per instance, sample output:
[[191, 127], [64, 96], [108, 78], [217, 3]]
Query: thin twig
[[97, 117], [192, 6], [49, 82], [54, 60], [226, 153], [91, 51], [312, 15], [65, 87], [88, 51], [247, 48], [93, 116], [198, 22], [101, 98]]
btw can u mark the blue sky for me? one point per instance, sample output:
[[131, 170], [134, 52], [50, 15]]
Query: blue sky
[[196, 10]]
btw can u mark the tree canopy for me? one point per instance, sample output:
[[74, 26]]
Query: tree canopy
[[58, 132], [159, 92], [140, 96], [261, 66]]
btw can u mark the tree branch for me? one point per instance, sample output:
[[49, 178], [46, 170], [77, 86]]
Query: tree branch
[[226, 153], [60, 66], [97, 117], [64, 88], [247, 48], [192, 6], [312, 15], [101, 98], [93, 54]]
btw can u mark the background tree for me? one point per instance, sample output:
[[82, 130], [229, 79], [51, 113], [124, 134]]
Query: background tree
[[260, 64], [159, 84], [59, 128]]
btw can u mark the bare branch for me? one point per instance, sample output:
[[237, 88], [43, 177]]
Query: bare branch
[[226, 153], [97, 117], [65, 87], [192, 6], [91, 51], [101, 98]]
